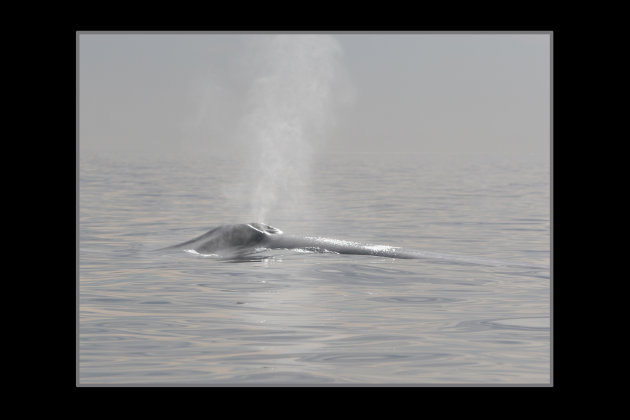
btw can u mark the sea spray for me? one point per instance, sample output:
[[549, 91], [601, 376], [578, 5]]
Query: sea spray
[[290, 110]]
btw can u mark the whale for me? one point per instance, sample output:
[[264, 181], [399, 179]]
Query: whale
[[246, 238], [240, 241]]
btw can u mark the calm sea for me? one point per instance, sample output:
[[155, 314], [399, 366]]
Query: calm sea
[[295, 317]]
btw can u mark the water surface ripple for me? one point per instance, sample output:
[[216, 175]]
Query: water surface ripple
[[289, 317]]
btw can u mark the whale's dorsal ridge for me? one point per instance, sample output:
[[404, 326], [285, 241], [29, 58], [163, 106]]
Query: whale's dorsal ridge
[[245, 238]]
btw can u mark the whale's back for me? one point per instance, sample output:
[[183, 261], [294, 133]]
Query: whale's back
[[227, 238]]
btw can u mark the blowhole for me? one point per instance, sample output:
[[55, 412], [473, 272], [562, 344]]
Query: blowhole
[[266, 229]]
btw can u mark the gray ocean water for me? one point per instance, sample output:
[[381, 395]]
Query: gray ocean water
[[476, 311]]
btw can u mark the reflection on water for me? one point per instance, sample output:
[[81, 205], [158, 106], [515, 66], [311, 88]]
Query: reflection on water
[[288, 317]]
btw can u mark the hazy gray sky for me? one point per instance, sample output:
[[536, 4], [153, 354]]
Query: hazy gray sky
[[165, 94]]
